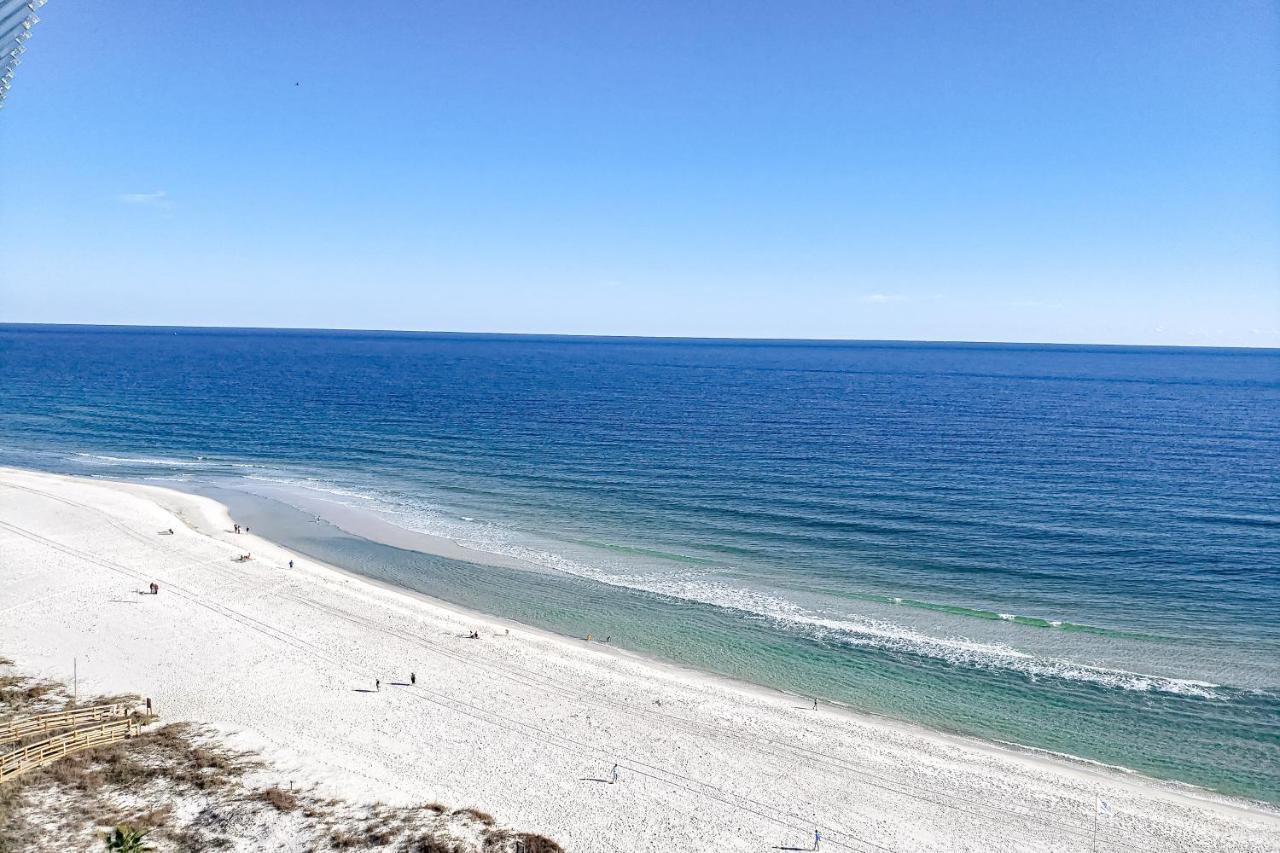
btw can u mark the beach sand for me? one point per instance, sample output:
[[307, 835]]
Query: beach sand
[[520, 723]]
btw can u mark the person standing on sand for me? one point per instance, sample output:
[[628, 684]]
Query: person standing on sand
[[413, 678], [291, 564], [815, 703], [377, 684]]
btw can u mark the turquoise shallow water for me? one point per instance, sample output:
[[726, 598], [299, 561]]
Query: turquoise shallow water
[[1073, 549]]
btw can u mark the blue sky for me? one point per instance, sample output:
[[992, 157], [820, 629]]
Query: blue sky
[[1017, 171]]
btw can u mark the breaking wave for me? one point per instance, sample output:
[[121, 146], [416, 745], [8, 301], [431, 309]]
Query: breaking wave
[[851, 631]]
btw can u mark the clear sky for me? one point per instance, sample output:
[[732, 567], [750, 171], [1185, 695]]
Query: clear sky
[[1024, 171]]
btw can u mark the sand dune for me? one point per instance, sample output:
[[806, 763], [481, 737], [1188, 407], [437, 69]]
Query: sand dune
[[520, 723]]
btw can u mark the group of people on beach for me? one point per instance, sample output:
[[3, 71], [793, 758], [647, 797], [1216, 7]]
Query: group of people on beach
[[413, 679], [239, 530]]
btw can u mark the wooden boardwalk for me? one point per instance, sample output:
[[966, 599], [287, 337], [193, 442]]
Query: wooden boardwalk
[[22, 727], [50, 749]]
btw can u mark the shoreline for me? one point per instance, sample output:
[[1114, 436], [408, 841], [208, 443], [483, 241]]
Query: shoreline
[[453, 550], [369, 525], [722, 711], [372, 526]]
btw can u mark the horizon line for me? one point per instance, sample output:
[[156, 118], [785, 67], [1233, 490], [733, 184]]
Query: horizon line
[[617, 337]]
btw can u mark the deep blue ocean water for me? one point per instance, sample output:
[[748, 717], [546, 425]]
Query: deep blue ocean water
[[1074, 549]]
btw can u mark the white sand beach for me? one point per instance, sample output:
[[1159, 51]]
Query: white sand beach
[[521, 724]]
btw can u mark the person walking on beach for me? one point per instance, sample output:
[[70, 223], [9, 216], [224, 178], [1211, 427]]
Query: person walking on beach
[[815, 703], [291, 564], [413, 678], [614, 780]]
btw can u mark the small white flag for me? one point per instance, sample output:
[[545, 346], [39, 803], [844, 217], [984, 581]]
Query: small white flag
[[1104, 808]]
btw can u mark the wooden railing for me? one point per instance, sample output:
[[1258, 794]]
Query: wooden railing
[[50, 749], [21, 727]]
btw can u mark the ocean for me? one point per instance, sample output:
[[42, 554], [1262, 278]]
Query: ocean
[[1071, 549]]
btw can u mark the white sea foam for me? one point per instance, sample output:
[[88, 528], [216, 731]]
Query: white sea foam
[[850, 630], [957, 651], [105, 459]]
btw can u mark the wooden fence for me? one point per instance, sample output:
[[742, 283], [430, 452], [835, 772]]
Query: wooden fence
[[21, 727], [50, 749]]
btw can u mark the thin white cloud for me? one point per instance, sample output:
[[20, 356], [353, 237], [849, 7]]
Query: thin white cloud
[[159, 198], [1032, 303]]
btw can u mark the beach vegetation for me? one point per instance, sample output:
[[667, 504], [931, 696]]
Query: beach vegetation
[[526, 842], [194, 798], [433, 844], [281, 800], [127, 839], [506, 841], [341, 839], [20, 693]]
